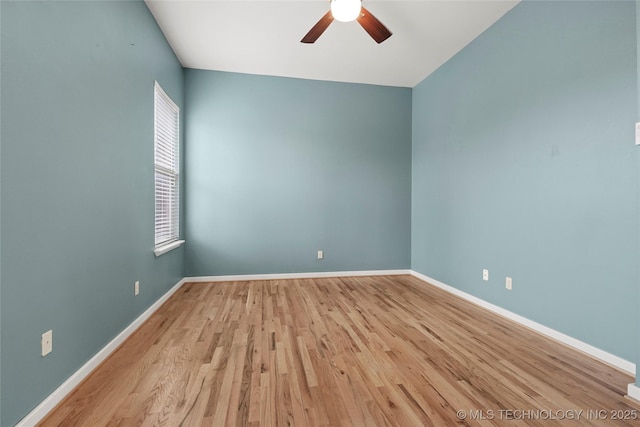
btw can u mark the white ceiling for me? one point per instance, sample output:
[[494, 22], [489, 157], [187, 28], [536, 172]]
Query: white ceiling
[[263, 37]]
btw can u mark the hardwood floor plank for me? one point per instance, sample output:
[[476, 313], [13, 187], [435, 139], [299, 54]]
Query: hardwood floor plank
[[349, 351]]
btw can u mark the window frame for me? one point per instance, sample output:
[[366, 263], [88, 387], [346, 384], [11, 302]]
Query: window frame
[[166, 172]]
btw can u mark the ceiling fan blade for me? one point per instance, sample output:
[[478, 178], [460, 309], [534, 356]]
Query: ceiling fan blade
[[318, 29], [373, 26]]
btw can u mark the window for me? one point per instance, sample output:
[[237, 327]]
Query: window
[[167, 177]]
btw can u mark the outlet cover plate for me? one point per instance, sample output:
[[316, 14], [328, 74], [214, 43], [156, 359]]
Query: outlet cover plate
[[47, 342]]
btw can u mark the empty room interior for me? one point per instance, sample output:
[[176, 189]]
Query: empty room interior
[[222, 213]]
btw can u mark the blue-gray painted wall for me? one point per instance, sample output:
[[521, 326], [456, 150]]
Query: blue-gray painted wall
[[77, 184], [524, 164], [637, 335], [278, 168]]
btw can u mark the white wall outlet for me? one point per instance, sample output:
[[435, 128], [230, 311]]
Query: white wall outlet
[[638, 133], [320, 254], [485, 275], [136, 288], [47, 342], [508, 283]]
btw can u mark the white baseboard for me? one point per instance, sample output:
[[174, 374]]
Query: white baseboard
[[633, 391], [592, 351], [50, 402], [69, 385], [247, 277]]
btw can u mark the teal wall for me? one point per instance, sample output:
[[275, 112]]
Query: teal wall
[[77, 184], [524, 164], [0, 221], [278, 168], [637, 336]]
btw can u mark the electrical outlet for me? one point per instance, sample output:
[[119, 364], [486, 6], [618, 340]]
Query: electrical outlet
[[485, 275], [320, 254], [47, 342], [508, 283], [136, 288]]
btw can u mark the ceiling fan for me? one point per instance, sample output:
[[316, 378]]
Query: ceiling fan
[[347, 11]]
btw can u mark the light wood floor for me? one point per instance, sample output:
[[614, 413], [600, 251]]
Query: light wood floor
[[367, 351]]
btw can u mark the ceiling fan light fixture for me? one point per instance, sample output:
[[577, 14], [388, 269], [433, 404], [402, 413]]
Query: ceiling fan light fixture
[[345, 10]]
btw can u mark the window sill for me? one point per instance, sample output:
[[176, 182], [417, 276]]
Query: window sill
[[159, 250]]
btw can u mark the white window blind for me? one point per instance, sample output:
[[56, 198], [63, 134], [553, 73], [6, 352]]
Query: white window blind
[[167, 178]]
